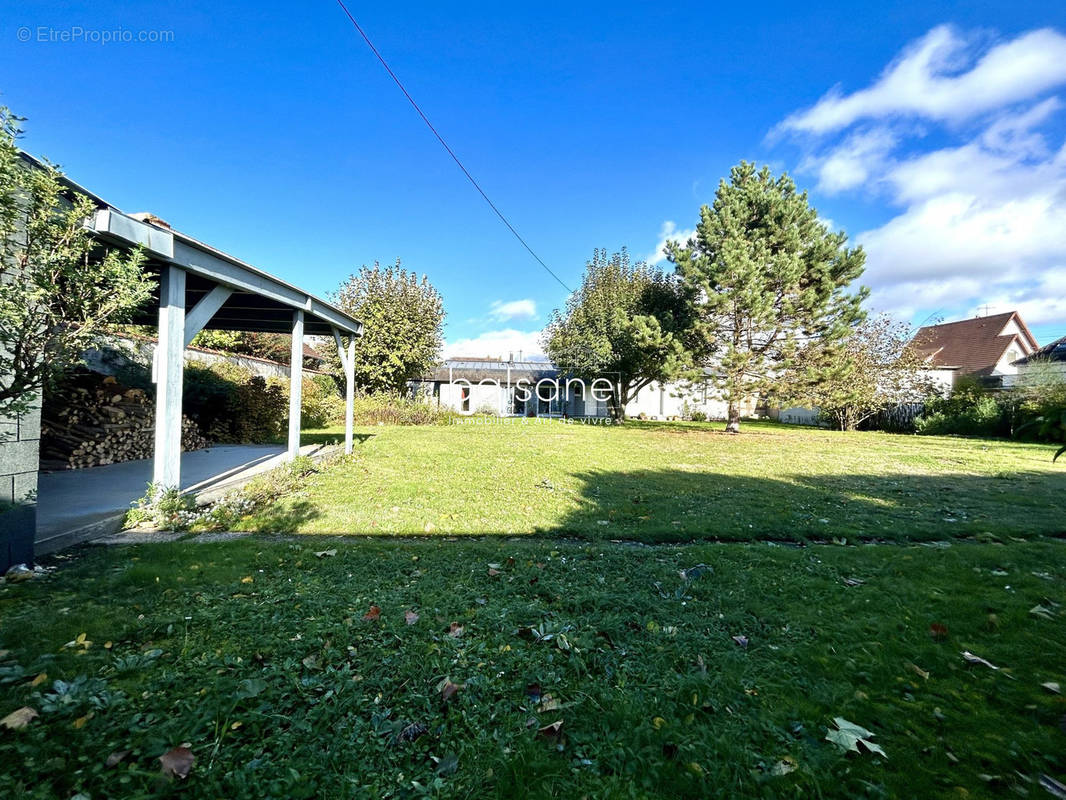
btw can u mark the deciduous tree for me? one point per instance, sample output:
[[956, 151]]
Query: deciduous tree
[[58, 289], [626, 323], [870, 369], [403, 319]]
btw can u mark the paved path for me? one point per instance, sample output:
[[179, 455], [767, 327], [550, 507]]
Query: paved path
[[73, 499]]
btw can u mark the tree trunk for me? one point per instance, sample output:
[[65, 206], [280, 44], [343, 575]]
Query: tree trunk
[[733, 423]]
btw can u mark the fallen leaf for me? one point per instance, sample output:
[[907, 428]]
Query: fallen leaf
[[79, 723], [178, 762], [784, 766], [311, 662], [1042, 611], [970, 658], [848, 736], [18, 719], [372, 615], [549, 703], [938, 632], [692, 573], [410, 617], [741, 640], [411, 732], [552, 731], [658, 722], [448, 690], [326, 553], [921, 673], [1052, 687], [510, 562], [116, 758], [493, 572], [853, 581], [247, 579], [41, 678], [455, 630]]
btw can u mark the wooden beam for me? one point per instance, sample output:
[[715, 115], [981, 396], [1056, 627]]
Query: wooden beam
[[202, 312]]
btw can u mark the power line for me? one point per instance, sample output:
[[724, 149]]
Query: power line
[[444, 144]]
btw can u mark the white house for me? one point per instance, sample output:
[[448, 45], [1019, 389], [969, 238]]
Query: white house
[[537, 389]]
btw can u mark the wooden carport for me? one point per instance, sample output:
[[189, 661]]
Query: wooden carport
[[201, 288]]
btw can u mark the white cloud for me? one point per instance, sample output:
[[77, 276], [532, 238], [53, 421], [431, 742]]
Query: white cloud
[[669, 233], [500, 311], [498, 344], [853, 162], [939, 78], [979, 220]]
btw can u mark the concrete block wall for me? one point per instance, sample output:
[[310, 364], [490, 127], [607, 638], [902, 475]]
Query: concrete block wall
[[20, 439]]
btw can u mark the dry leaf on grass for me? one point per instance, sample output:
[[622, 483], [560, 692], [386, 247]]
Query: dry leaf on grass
[[970, 658], [848, 736], [552, 731], [19, 718], [448, 690], [410, 617], [116, 758], [372, 615], [177, 763]]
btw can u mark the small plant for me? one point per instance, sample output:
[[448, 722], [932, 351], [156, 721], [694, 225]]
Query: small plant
[[159, 508]]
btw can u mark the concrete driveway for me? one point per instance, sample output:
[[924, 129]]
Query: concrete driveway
[[75, 505]]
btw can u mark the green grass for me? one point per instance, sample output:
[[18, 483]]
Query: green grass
[[677, 482], [255, 652]]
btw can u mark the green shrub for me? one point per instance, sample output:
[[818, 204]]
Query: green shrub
[[322, 404], [699, 416], [970, 410], [390, 409], [230, 404]]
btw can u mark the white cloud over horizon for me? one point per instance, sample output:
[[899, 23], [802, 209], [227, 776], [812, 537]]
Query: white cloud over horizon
[[979, 217], [498, 344], [941, 77], [501, 311]]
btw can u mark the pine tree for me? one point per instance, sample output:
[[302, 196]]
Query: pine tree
[[767, 281]]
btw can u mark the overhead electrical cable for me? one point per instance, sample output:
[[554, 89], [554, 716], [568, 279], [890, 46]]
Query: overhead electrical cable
[[444, 144]]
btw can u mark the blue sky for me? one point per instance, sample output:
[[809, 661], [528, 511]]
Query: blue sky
[[931, 132]]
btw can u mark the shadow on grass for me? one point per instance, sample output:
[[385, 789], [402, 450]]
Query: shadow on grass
[[327, 437], [285, 517], [675, 505]]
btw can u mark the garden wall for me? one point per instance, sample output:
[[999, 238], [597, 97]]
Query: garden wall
[[19, 448]]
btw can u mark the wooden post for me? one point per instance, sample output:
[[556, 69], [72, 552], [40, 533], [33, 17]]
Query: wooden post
[[349, 396], [169, 363], [296, 374]]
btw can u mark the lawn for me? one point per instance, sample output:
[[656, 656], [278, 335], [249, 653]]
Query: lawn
[[675, 482], [270, 664]]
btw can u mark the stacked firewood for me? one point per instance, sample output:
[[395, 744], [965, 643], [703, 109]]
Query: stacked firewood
[[93, 420]]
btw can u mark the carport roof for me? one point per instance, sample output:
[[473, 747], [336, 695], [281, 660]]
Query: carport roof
[[259, 301]]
